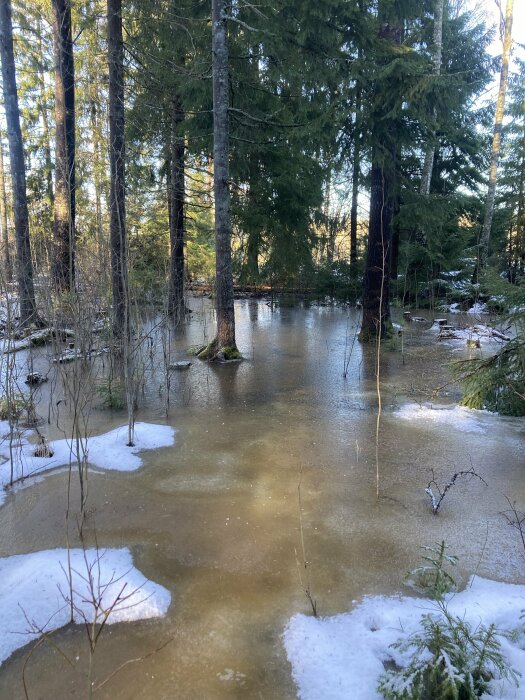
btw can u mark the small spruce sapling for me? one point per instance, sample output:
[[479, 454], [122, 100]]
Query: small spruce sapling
[[450, 660]]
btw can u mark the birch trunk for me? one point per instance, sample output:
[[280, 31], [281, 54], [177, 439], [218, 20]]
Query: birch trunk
[[496, 139], [437, 52]]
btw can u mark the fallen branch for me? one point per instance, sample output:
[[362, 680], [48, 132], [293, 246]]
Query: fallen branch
[[515, 519], [437, 500]]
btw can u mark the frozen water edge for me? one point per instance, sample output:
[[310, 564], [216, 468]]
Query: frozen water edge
[[35, 593], [341, 657], [106, 451], [466, 420]]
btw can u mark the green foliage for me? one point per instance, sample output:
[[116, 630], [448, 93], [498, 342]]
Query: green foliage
[[111, 394], [450, 659], [497, 383], [338, 280], [230, 352], [432, 578], [11, 407], [149, 255]]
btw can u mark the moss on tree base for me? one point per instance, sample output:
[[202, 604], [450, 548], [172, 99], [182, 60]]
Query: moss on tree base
[[368, 335], [213, 352]]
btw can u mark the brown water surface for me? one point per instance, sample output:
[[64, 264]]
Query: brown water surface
[[216, 518]]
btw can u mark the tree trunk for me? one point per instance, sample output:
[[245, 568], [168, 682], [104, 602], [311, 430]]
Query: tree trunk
[[63, 265], [97, 168], [437, 52], [251, 272], [28, 312], [396, 234], [45, 122], [117, 202], [225, 337], [176, 306], [376, 281], [252, 257], [376, 289], [356, 172], [496, 139], [353, 206], [520, 215], [8, 264]]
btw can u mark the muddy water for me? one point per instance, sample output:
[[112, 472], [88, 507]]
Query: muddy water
[[217, 518]]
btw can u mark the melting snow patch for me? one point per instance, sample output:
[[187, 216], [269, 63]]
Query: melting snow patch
[[467, 420], [35, 593], [107, 451], [478, 308], [341, 657]]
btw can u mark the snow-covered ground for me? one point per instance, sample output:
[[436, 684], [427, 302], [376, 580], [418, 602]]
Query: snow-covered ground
[[342, 657], [478, 332], [36, 592], [466, 420], [107, 451], [477, 308]]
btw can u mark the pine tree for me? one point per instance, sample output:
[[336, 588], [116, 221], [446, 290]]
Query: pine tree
[[117, 196], [28, 310], [63, 266], [224, 342], [8, 264]]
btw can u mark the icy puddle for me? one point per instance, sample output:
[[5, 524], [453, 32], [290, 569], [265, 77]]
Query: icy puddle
[[107, 451], [217, 519]]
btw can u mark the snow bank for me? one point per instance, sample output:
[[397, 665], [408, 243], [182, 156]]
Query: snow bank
[[35, 593], [466, 420], [476, 332], [107, 451], [341, 657], [478, 308]]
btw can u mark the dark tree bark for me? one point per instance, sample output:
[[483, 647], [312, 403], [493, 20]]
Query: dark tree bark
[[117, 194], [63, 264], [225, 337], [28, 312], [376, 290], [376, 281], [356, 172], [394, 257], [251, 274], [8, 263], [252, 257], [45, 121], [176, 305]]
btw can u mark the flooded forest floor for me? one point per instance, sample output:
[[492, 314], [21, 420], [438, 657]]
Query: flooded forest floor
[[272, 486]]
